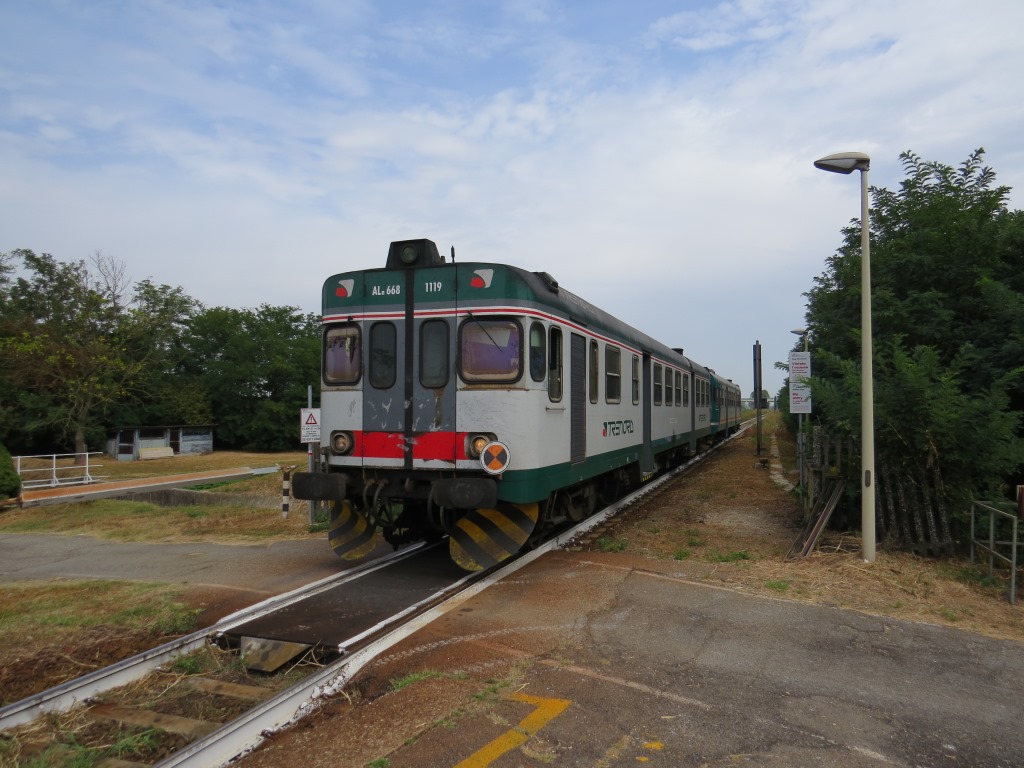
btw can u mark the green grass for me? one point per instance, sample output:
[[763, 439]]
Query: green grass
[[29, 608], [681, 554], [606, 544], [778, 586], [714, 556], [399, 683]]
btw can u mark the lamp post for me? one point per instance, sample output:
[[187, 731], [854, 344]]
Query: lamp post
[[846, 163], [800, 420]]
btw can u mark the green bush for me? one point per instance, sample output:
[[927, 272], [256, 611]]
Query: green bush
[[10, 483]]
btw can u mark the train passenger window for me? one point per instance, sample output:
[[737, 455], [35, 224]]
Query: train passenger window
[[636, 380], [686, 391], [555, 365], [491, 350], [679, 388], [593, 371], [342, 354], [383, 355], [434, 354], [538, 355], [612, 374], [657, 383]]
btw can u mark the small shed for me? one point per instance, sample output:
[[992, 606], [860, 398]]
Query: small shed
[[132, 443]]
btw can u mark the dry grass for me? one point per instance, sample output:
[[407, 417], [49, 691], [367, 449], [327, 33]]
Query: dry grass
[[131, 520], [52, 631], [122, 470], [729, 523]]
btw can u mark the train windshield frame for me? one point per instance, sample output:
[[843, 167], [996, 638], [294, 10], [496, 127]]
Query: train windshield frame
[[343, 354], [490, 350]]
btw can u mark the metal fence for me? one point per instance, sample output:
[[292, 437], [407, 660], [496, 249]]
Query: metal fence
[[56, 469], [1001, 541]]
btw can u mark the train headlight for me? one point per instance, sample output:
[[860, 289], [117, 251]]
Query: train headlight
[[475, 444], [342, 443], [409, 255]]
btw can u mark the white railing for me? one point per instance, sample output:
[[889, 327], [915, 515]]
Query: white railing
[[1003, 537], [56, 469]]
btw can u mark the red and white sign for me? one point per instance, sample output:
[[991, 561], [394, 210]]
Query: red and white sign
[[309, 425]]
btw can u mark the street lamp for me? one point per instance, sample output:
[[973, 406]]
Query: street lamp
[[800, 417], [848, 162]]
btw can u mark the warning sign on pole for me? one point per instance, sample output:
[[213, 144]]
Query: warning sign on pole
[[309, 425]]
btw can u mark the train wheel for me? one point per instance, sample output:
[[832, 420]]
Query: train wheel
[[485, 537], [351, 535]]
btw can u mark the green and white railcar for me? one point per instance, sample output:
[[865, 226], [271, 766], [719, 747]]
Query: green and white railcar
[[488, 403]]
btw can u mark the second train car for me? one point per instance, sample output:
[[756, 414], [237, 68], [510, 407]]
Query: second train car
[[489, 404]]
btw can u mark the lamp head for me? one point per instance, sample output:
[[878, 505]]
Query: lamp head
[[844, 162]]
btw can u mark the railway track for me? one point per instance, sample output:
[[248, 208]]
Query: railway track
[[280, 699]]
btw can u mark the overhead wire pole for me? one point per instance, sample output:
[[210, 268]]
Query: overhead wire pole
[[757, 391]]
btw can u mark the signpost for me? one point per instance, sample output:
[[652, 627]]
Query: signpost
[[309, 431]]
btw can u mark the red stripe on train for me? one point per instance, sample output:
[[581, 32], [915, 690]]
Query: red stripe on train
[[445, 446]]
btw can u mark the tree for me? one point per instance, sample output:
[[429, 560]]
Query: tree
[[948, 313], [62, 342], [254, 366], [82, 348]]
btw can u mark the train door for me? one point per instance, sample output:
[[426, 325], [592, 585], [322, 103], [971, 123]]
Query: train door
[[647, 446], [716, 404], [577, 399], [692, 402], [430, 424], [409, 389]]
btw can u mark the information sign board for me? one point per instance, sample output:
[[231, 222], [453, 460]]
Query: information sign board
[[799, 391], [309, 425]]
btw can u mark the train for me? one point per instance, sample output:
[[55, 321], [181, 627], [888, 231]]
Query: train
[[487, 404]]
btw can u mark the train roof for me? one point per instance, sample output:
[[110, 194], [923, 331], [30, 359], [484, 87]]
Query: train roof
[[441, 284]]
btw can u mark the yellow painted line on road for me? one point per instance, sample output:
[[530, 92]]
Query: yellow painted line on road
[[546, 711]]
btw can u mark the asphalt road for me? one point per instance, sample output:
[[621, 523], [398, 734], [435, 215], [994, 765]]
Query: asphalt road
[[270, 568]]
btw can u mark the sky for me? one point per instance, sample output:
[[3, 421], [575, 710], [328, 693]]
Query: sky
[[655, 157]]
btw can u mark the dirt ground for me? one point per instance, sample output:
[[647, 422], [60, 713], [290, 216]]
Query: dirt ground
[[733, 524], [726, 521]]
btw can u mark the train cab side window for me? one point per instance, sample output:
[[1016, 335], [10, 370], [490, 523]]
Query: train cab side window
[[434, 354], [491, 350], [679, 388], [538, 354], [594, 373], [343, 354], [636, 380], [612, 374], [555, 365], [657, 383], [383, 355]]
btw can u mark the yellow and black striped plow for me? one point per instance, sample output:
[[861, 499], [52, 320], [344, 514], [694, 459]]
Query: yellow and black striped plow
[[351, 535], [485, 537]]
